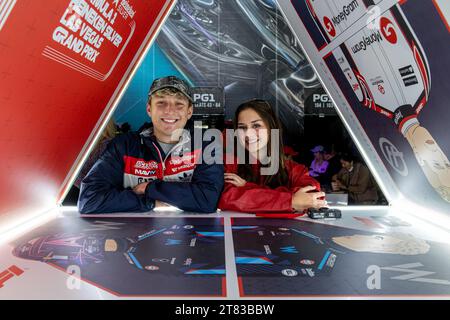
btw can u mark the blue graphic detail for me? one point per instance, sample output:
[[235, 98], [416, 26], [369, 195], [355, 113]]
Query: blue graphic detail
[[309, 235], [243, 227], [252, 260], [210, 234], [325, 258], [210, 271], [173, 242], [290, 249], [146, 235], [135, 261]]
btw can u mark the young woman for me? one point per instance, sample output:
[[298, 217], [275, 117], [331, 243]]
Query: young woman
[[288, 191]]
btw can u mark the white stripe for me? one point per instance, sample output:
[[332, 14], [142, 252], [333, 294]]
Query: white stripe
[[5, 11], [230, 261], [72, 64], [53, 52]]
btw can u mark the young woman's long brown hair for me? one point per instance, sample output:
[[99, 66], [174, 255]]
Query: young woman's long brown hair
[[265, 111]]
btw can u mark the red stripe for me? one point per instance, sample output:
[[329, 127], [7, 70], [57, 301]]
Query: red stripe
[[4, 279], [400, 126], [4, 273], [441, 14], [224, 286], [16, 270], [422, 69], [241, 287]]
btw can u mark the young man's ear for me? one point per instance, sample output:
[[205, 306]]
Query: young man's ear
[[149, 108], [190, 110]]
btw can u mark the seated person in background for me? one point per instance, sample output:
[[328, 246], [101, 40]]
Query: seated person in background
[[334, 166], [288, 189], [319, 165], [138, 172], [108, 134], [355, 179]]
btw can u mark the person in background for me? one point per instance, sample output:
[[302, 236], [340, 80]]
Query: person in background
[[355, 179], [108, 134], [286, 193], [319, 165], [334, 166]]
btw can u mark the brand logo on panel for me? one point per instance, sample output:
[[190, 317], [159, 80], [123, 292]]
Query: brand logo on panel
[[393, 156]]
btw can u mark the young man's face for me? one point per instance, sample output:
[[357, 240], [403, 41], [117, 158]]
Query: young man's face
[[169, 113]]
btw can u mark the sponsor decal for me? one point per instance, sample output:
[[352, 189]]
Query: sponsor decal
[[388, 30], [289, 272], [307, 262], [331, 261], [267, 248], [309, 272], [408, 76], [187, 262], [329, 26], [347, 10], [393, 156], [367, 41], [151, 268], [161, 260], [141, 164]]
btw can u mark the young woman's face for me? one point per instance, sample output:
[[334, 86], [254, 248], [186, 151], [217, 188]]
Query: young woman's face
[[253, 132]]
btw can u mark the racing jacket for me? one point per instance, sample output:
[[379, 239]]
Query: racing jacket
[[178, 178], [262, 200]]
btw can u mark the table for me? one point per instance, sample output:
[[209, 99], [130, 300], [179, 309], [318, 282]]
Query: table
[[372, 252]]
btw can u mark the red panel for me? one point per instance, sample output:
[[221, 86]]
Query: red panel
[[52, 96]]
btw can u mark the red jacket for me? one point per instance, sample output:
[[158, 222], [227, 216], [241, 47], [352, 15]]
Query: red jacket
[[262, 200]]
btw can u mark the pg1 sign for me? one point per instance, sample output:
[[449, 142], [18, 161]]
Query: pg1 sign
[[208, 100]]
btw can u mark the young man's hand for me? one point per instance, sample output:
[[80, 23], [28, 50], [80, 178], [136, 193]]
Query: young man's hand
[[304, 199], [140, 188]]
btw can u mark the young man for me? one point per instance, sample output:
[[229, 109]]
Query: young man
[[355, 178], [159, 166]]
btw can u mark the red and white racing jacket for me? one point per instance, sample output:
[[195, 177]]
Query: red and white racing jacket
[[179, 178]]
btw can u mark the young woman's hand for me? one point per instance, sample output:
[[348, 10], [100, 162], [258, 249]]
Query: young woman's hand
[[304, 199], [234, 179]]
